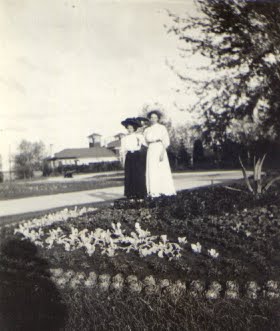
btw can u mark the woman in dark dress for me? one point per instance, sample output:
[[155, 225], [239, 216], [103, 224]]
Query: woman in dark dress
[[143, 124], [135, 185]]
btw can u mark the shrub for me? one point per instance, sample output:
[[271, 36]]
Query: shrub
[[256, 186], [92, 167], [47, 170]]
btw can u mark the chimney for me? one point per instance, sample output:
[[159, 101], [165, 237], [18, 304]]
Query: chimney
[[94, 140]]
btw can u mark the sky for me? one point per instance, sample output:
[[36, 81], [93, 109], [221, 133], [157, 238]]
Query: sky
[[72, 68]]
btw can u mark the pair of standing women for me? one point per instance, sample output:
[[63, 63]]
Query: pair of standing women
[[144, 156]]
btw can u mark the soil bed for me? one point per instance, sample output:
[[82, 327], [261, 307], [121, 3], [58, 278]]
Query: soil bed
[[245, 231]]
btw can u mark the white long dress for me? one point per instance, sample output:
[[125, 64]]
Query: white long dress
[[158, 173]]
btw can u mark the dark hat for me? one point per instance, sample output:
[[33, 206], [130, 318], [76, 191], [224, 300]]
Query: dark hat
[[130, 121], [140, 119]]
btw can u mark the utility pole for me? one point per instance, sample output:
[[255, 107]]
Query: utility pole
[[16, 129], [10, 164]]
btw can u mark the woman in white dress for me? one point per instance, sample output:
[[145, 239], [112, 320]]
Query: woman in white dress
[[158, 173]]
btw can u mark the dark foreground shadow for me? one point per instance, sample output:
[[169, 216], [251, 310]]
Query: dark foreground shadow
[[29, 300]]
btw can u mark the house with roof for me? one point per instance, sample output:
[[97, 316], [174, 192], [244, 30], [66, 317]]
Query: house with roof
[[93, 154], [115, 145]]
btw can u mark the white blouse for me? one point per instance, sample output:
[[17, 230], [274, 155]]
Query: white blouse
[[157, 132], [131, 143]]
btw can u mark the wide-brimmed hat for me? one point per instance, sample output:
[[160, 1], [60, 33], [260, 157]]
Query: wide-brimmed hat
[[141, 119], [130, 121], [155, 111]]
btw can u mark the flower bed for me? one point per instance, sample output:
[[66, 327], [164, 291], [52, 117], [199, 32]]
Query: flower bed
[[209, 243], [233, 243]]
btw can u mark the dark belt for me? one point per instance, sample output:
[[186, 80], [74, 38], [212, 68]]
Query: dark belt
[[157, 141]]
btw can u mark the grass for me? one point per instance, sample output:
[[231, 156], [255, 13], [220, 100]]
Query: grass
[[22, 189], [123, 311]]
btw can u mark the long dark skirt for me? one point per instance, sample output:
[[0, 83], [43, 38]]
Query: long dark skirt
[[135, 183], [142, 164]]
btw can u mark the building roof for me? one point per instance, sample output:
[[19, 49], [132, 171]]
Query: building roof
[[114, 144], [94, 135], [119, 135], [84, 153]]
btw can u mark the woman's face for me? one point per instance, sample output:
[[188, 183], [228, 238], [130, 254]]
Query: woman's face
[[130, 129], [154, 118]]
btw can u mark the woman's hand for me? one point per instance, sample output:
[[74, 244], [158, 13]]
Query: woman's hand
[[138, 142], [161, 157]]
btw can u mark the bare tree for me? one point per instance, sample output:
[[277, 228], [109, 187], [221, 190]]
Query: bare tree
[[29, 158]]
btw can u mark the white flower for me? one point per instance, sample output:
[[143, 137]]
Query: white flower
[[196, 247], [117, 229], [69, 274], [163, 238], [182, 240], [56, 272], [160, 254], [213, 253], [109, 241], [91, 280], [61, 282], [141, 233], [211, 294], [90, 249], [117, 282], [51, 218], [197, 286], [214, 290], [272, 285], [270, 58], [252, 290]]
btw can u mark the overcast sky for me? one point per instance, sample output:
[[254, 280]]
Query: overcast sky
[[71, 68]]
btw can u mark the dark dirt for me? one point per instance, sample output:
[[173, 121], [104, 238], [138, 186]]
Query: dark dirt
[[244, 230]]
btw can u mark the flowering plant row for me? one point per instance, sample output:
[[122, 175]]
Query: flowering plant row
[[60, 216], [197, 288], [108, 241], [32, 229]]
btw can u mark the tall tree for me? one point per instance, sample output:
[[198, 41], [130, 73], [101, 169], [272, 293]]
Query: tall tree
[[28, 158], [241, 39]]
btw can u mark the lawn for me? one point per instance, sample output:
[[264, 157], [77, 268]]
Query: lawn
[[22, 189], [208, 259]]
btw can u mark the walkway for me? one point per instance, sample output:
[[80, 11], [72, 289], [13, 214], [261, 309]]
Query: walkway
[[32, 204]]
